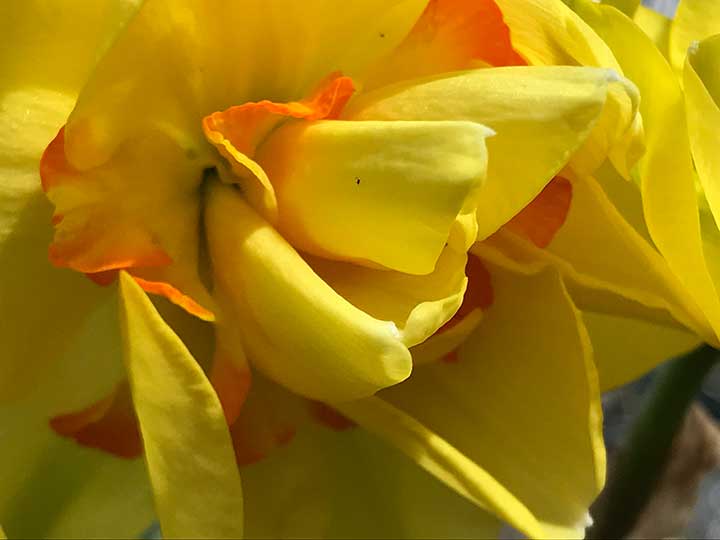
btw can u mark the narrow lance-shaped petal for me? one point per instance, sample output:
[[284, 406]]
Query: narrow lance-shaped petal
[[191, 463]]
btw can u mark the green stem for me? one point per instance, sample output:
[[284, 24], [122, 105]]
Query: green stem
[[640, 463]]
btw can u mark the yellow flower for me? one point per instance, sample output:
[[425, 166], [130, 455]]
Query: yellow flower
[[301, 189]]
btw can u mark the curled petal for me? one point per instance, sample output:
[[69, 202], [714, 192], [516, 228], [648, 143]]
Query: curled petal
[[418, 305], [295, 328], [378, 193], [547, 113]]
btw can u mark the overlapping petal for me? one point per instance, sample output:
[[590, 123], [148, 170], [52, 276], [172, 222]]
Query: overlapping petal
[[54, 46], [295, 328], [195, 57], [342, 485], [525, 379], [702, 95], [440, 458], [549, 112], [418, 305], [130, 213], [449, 36], [667, 178], [364, 191]]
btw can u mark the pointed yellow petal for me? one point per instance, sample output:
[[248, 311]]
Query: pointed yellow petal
[[694, 20], [187, 444], [667, 178], [386, 193], [527, 388], [547, 112], [296, 329], [434, 454]]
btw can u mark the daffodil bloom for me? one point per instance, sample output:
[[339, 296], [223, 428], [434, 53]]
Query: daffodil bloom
[[317, 201]]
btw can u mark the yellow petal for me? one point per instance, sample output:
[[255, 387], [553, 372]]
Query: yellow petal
[[195, 57], [54, 46], [628, 7], [597, 241], [187, 444], [624, 349], [52, 487], [28, 121], [297, 330], [694, 20], [547, 112], [608, 266], [700, 79], [528, 391], [656, 26], [352, 485], [383, 192], [130, 213], [667, 182], [446, 342], [418, 305], [2, 534], [434, 454], [547, 32]]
